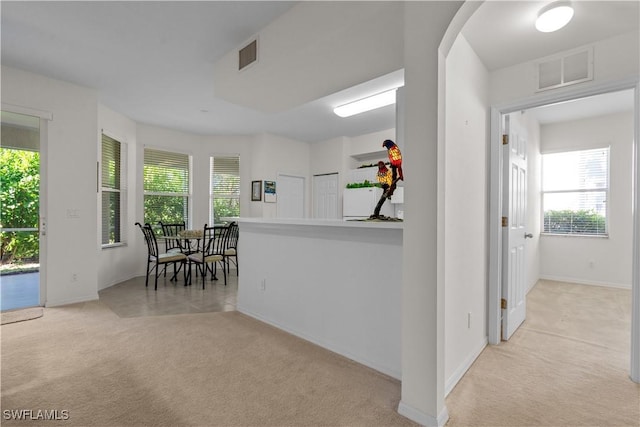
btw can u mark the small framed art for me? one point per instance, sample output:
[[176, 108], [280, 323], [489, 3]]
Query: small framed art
[[256, 191]]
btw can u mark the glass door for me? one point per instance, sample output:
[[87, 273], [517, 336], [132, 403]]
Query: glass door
[[19, 211]]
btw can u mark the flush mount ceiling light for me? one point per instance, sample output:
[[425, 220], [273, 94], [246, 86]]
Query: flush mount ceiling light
[[554, 16], [366, 104]]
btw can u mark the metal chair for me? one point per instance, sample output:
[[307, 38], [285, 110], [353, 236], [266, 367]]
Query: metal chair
[[173, 245], [231, 248], [214, 240], [157, 259]]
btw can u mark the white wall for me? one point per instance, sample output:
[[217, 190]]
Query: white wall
[[614, 59], [355, 312], [466, 172], [368, 148], [273, 155], [119, 263], [594, 260], [71, 183]]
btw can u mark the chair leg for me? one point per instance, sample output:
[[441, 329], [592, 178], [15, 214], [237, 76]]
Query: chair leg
[[225, 273], [156, 286], [146, 282]]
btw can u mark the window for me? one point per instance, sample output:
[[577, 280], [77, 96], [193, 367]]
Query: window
[[224, 200], [575, 189], [113, 190], [167, 188]]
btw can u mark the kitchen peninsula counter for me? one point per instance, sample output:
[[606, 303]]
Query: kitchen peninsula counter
[[335, 283]]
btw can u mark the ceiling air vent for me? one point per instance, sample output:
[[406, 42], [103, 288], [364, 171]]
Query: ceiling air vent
[[566, 69], [248, 55]]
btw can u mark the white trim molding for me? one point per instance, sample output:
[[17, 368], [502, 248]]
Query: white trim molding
[[422, 418], [27, 111], [464, 367], [635, 276]]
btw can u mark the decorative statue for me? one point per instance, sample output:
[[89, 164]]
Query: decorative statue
[[388, 179]]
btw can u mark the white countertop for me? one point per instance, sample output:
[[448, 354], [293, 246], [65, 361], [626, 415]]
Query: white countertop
[[319, 222]]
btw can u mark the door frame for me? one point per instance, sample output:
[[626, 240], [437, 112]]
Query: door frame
[[45, 117], [495, 204]]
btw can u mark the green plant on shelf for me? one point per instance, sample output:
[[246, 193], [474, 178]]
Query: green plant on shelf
[[364, 184]]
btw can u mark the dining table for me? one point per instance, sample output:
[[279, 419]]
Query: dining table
[[186, 240]]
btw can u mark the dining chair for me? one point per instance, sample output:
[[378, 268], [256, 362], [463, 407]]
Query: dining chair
[[214, 240], [231, 248], [172, 245], [157, 259]]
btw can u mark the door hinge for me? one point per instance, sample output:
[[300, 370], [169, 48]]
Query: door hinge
[[505, 139], [503, 303], [505, 221]]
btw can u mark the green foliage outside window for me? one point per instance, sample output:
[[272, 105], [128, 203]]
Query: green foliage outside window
[[574, 222], [166, 194], [225, 208], [19, 204]]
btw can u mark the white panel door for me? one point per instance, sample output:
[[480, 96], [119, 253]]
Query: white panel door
[[325, 196], [514, 229], [290, 196]]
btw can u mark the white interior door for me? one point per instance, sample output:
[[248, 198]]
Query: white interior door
[[514, 228], [325, 196], [290, 200]]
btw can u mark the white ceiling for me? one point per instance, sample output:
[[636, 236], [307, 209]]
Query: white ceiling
[[154, 61]]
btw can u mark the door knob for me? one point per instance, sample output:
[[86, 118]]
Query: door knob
[[528, 235]]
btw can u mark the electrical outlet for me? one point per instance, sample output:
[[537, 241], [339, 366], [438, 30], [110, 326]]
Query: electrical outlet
[[74, 277], [468, 320]]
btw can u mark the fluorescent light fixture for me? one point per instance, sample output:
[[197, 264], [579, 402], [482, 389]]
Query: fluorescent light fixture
[[554, 16], [366, 104]]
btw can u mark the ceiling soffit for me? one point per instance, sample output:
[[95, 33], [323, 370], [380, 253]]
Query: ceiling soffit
[[315, 49]]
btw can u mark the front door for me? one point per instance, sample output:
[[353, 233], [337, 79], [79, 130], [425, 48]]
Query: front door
[[514, 227]]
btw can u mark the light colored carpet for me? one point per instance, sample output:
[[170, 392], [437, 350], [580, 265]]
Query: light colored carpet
[[567, 365], [13, 316], [205, 369]]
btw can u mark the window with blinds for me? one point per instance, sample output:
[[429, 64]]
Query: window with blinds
[[575, 189], [113, 190], [167, 186], [224, 200]]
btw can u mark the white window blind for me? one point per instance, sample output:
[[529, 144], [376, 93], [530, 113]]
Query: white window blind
[[224, 200], [113, 190], [167, 186], [575, 189]]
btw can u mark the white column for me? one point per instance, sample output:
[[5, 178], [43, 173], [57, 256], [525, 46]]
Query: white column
[[423, 297]]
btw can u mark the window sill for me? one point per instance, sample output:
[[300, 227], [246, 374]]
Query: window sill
[[114, 245], [593, 236]]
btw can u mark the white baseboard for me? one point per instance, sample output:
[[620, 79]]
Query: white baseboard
[[421, 418], [55, 303], [464, 367], [586, 282]]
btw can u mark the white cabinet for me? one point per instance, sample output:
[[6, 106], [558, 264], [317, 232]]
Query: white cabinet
[[359, 203]]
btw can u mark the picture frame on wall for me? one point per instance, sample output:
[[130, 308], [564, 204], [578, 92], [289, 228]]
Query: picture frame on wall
[[256, 191], [270, 191]]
